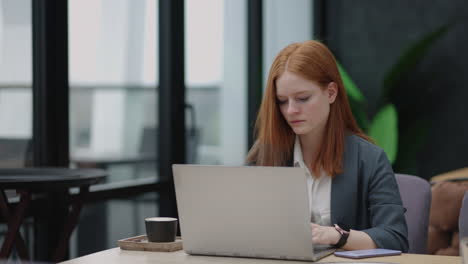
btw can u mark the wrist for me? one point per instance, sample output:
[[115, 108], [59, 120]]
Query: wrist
[[344, 232], [335, 236]]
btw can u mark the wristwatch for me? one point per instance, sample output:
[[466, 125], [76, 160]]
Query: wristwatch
[[343, 229]]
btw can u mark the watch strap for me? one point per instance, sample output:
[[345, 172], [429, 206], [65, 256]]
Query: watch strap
[[344, 236]]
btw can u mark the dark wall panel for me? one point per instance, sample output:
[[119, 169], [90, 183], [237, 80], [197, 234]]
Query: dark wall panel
[[368, 36]]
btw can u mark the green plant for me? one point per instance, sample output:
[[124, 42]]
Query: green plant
[[395, 127]]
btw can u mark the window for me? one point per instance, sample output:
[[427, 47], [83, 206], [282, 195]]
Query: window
[[15, 83], [216, 81]]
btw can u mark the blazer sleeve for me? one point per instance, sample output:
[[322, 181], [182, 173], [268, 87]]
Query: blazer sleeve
[[386, 211]]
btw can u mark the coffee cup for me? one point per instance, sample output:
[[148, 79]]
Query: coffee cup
[[161, 229]]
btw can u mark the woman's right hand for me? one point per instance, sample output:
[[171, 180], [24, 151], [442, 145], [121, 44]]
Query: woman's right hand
[[324, 235]]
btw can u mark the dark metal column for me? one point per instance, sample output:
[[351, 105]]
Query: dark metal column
[[50, 111], [254, 64], [50, 83], [319, 20], [171, 97]]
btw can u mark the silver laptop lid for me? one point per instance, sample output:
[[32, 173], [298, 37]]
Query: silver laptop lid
[[244, 211]]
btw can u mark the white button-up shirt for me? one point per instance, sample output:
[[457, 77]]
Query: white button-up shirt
[[319, 190]]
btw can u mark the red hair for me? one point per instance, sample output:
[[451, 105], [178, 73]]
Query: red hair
[[274, 143]]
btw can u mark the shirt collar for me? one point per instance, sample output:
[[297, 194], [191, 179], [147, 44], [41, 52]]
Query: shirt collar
[[298, 159]]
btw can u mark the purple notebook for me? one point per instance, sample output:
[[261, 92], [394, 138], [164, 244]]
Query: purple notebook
[[367, 253]]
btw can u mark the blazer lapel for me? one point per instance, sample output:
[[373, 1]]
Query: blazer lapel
[[344, 202]]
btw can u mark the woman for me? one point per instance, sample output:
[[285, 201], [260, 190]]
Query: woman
[[305, 121]]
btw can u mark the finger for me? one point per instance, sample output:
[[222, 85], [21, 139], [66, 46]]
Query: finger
[[314, 240], [314, 225], [317, 240]]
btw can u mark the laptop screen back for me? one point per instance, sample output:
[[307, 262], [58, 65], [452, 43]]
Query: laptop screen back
[[244, 211]]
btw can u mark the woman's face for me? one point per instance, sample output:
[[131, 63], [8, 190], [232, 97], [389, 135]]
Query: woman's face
[[303, 103]]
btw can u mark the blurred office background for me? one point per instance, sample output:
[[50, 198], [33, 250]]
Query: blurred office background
[[114, 103]]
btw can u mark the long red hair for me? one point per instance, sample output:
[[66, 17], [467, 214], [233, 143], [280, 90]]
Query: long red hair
[[274, 143]]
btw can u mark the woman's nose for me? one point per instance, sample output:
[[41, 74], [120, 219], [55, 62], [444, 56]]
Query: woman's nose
[[292, 107]]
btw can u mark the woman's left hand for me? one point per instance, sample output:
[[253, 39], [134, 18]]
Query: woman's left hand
[[324, 235]]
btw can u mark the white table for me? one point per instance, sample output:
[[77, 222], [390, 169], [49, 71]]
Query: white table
[[118, 256]]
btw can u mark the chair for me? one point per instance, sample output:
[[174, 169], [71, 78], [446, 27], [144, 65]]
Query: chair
[[455, 175], [463, 219], [446, 202], [463, 228], [15, 152], [416, 197], [149, 143]]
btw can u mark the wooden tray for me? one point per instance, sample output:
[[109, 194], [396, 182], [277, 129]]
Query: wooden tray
[[141, 243]]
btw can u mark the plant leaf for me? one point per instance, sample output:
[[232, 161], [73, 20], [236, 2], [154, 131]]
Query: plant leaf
[[384, 130], [359, 113], [350, 86], [408, 60]]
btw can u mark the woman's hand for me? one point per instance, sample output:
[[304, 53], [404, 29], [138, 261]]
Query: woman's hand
[[324, 235]]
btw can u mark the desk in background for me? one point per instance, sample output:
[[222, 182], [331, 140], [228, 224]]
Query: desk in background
[[103, 161], [31, 181], [118, 256]]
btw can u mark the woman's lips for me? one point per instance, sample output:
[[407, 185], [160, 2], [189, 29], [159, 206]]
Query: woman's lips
[[297, 121]]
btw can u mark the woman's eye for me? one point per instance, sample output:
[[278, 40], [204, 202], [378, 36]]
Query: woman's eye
[[281, 102], [304, 99]]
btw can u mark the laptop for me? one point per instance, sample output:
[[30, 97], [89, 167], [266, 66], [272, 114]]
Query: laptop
[[258, 212]]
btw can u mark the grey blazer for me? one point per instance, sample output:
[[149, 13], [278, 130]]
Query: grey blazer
[[366, 196]]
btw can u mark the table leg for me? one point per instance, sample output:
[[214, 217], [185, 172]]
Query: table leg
[[72, 220], [14, 223]]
